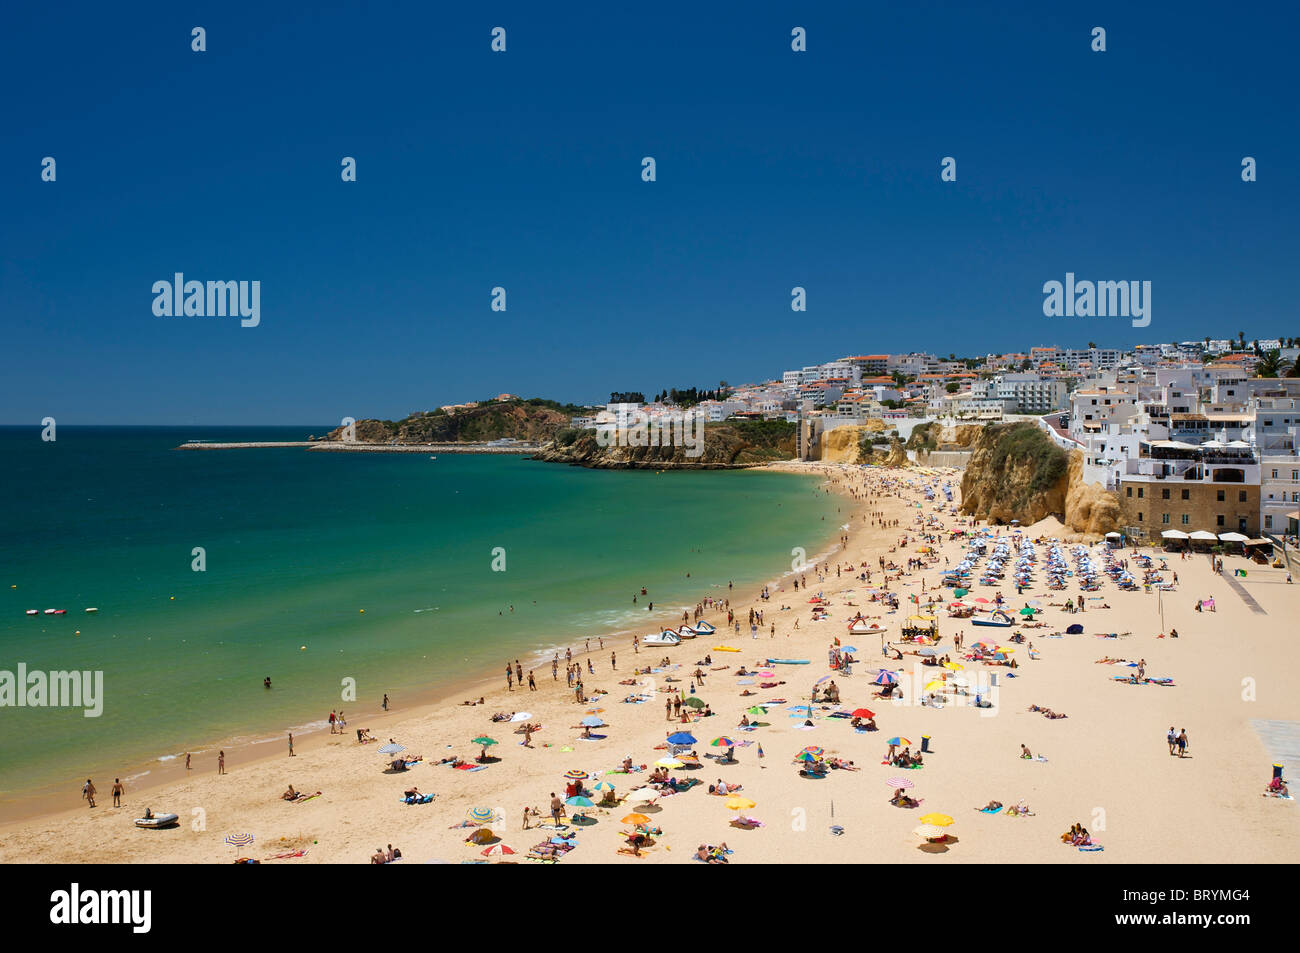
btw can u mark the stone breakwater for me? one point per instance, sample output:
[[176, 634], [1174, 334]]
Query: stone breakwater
[[346, 447]]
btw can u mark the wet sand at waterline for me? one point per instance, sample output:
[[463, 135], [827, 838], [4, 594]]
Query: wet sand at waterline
[[1108, 763]]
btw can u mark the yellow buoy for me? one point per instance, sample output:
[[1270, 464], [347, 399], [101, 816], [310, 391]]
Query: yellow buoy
[[363, 610], [302, 648], [173, 598]]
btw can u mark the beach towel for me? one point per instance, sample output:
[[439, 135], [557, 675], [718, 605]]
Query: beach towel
[[471, 767], [1092, 847], [292, 853], [594, 738], [985, 810]]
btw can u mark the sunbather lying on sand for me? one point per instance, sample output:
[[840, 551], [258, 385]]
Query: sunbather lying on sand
[[900, 799], [991, 806]]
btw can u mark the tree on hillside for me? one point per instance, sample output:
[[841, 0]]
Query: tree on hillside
[[1269, 364]]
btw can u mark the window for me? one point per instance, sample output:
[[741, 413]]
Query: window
[[1140, 492], [1128, 491], [1219, 520], [1187, 494], [1220, 496], [1275, 473], [1164, 518], [1186, 519], [1164, 494], [1268, 522], [1241, 496], [1139, 517]]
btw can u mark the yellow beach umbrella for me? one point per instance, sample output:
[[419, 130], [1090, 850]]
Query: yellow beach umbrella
[[739, 804], [941, 820], [668, 763], [954, 666], [934, 686]]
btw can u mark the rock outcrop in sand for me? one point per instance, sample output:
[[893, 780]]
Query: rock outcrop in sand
[[843, 444], [1016, 472]]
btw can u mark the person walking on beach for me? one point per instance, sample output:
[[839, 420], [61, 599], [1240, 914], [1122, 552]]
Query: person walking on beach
[[668, 708], [557, 808], [1182, 742], [187, 761], [635, 645], [532, 685], [613, 660], [333, 725], [221, 762], [88, 792], [555, 668], [510, 677], [519, 673], [385, 703], [118, 791], [291, 744], [1172, 738]]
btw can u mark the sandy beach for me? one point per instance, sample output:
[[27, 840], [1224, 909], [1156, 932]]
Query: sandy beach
[[1108, 765]]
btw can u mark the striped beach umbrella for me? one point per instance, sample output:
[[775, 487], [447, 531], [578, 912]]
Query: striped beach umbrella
[[481, 815], [886, 677], [603, 786], [391, 748], [576, 775], [722, 741], [900, 783], [579, 801], [900, 740], [497, 850], [805, 756], [239, 840], [815, 750]]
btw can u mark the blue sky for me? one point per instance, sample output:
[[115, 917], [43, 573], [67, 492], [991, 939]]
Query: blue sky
[[522, 169]]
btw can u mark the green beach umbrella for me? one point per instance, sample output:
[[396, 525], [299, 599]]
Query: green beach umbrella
[[758, 710], [960, 592], [484, 740], [694, 702]]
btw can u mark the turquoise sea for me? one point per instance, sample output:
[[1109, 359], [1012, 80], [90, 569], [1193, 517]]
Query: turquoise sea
[[297, 543]]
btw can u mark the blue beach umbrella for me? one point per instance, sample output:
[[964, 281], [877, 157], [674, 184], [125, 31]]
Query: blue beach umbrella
[[885, 678], [592, 721], [681, 738]]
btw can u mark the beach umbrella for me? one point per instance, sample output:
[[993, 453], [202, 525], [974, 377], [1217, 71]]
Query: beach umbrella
[[934, 686], [481, 815], [595, 711], [669, 763], [848, 648], [694, 702], [579, 801], [521, 716], [757, 710], [239, 840], [805, 756], [576, 775], [688, 758], [885, 677], [960, 682], [722, 741], [864, 713], [981, 600], [637, 819], [899, 741], [390, 748], [930, 832], [815, 750], [591, 721], [739, 803], [900, 783], [484, 740], [960, 592], [603, 786], [927, 651], [681, 738], [954, 666], [480, 836], [1027, 611], [643, 794], [939, 820], [497, 850]]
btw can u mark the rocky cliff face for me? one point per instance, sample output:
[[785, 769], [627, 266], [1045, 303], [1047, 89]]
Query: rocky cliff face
[[726, 446], [842, 444], [1016, 472], [488, 421]]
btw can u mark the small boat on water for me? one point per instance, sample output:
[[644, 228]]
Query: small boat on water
[[997, 619], [156, 821], [56, 611], [93, 609], [33, 612]]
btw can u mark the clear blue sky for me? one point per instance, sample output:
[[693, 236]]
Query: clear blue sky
[[522, 169]]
